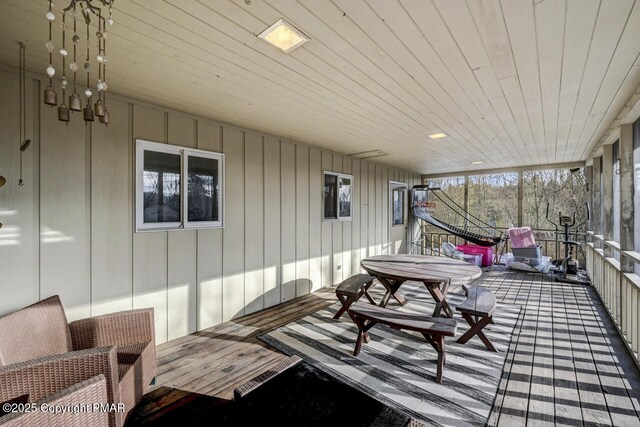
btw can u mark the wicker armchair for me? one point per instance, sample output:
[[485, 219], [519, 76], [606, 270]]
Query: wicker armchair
[[77, 401], [41, 354]]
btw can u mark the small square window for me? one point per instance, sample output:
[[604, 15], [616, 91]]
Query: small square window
[[398, 206], [204, 176], [177, 187], [161, 187], [338, 196]]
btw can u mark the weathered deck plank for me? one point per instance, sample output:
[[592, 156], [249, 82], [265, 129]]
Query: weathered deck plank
[[566, 365]]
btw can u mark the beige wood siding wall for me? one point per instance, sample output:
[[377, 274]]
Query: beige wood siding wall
[[70, 229]]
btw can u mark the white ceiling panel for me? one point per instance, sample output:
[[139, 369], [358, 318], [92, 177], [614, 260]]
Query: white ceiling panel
[[512, 83]]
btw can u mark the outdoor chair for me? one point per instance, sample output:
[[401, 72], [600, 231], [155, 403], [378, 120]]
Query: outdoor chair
[[85, 394], [41, 353]]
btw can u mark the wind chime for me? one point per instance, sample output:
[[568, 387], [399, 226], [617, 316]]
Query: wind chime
[[87, 9]]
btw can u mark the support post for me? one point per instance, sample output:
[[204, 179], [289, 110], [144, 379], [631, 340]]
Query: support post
[[596, 198], [607, 196], [466, 197], [588, 174], [520, 198], [627, 227]]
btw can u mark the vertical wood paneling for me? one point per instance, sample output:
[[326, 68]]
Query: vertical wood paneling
[[233, 237], [378, 210], [347, 226], [181, 283], [272, 266], [364, 210], [65, 214], [327, 229], [315, 218], [288, 218], [337, 232], [111, 213], [274, 246], [303, 286], [150, 249], [356, 246], [371, 223], [254, 224], [181, 248], [19, 240], [209, 244], [384, 211]]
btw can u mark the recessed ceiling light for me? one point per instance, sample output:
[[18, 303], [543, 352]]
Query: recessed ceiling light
[[284, 36], [476, 163], [437, 135]]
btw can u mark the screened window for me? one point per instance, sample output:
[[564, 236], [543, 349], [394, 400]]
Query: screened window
[[398, 205], [636, 188], [161, 187], [177, 187], [338, 197], [616, 193], [493, 198]]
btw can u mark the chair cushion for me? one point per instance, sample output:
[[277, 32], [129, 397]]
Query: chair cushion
[[35, 331]]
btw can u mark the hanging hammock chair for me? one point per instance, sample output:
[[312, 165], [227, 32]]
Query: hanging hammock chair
[[432, 205]]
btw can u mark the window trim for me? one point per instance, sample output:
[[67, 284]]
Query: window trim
[[184, 153], [185, 200], [393, 186], [338, 176]]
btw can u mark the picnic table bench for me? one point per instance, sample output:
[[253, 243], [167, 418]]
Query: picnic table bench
[[433, 329], [478, 311]]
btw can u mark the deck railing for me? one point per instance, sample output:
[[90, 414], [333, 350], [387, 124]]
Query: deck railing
[[431, 240], [618, 290]]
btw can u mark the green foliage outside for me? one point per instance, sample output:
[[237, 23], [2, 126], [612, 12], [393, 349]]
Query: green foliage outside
[[493, 198]]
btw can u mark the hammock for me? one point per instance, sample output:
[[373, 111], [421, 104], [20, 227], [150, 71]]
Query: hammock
[[432, 205]]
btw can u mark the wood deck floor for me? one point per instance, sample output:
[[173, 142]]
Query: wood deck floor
[[566, 364]]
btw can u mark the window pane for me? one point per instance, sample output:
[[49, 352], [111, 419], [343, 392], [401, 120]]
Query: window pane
[[450, 213], [345, 197], [636, 189], [616, 196], [330, 196], [494, 199], [161, 186], [398, 207], [565, 192], [203, 189]]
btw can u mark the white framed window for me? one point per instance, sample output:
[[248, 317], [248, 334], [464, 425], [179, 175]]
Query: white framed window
[[398, 203], [337, 197], [178, 187]]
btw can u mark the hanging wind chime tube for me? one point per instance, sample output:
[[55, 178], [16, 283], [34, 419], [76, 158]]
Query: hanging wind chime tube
[[63, 110], [50, 95], [86, 8], [87, 112], [75, 103], [102, 61]]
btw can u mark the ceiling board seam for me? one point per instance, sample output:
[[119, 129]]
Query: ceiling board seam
[[392, 60], [484, 46], [606, 72]]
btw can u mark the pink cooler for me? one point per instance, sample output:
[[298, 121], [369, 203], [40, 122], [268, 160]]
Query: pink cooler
[[485, 251]]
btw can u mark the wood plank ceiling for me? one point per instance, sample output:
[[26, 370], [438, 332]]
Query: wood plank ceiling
[[511, 82]]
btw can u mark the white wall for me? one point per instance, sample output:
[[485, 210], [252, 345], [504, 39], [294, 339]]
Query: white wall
[[70, 229]]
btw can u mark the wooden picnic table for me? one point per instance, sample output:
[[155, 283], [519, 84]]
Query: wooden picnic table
[[436, 273]]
